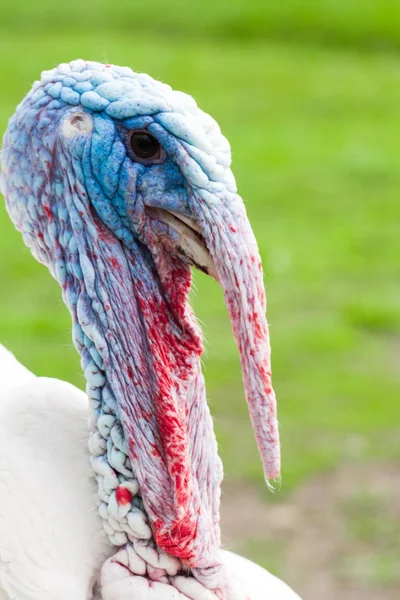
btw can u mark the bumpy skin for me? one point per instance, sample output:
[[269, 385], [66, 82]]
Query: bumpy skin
[[74, 190]]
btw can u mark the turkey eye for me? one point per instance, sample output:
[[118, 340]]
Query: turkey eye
[[144, 146]]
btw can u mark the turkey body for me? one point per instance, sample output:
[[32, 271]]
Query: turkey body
[[52, 545]]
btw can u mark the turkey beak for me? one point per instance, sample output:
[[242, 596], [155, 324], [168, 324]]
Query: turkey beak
[[191, 246]]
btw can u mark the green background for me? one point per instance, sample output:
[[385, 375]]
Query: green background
[[308, 93]]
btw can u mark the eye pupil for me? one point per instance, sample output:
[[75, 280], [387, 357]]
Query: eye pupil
[[144, 145]]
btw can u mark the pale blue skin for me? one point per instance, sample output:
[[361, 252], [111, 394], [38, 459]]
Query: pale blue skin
[[101, 161]]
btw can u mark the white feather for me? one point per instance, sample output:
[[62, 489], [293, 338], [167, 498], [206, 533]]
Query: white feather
[[51, 541]]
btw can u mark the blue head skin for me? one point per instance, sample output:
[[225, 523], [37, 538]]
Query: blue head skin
[[118, 218]]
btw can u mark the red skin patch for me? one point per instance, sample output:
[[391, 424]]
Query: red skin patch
[[105, 235], [175, 356], [47, 212], [171, 540], [123, 496], [114, 262]]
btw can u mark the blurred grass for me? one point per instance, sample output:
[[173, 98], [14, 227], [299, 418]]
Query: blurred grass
[[372, 529], [365, 24], [315, 138]]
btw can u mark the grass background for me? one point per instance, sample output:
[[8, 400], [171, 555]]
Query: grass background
[[308, 93]]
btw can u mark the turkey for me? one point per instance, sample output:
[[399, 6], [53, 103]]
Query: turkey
[[119, 185]]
